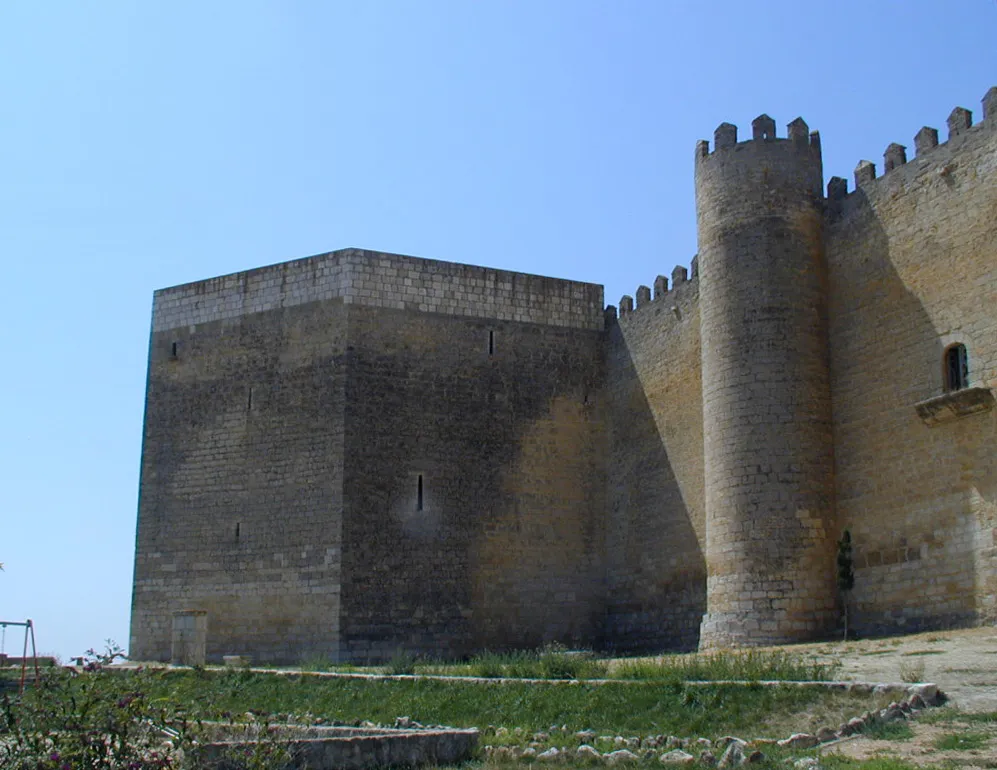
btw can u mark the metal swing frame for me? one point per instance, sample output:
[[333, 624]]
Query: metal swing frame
[[29, 632]]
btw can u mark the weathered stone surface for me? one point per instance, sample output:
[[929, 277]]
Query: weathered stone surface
[[928, 692], [826, 734], [587, 752], [799, 741], [621, 756], [586, 478], [678, 757], [734, 755]]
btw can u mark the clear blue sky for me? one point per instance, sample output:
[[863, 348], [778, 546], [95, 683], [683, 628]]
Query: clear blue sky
[[145, 144]]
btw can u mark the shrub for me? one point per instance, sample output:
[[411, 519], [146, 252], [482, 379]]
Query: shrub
[[912, 671]]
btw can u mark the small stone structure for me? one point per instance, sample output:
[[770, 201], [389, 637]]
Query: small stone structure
[[345, 748], [359, 454]]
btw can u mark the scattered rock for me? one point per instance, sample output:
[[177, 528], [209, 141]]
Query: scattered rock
[[674, 742], [708, 759], [807, 763], [891, 713], [619, 740], [618, 757], [928, 692], [916, 702], [633, 742], [677, 757], [723, 743], [585, 735], [587, 752], [647, 755], [826, 734], [404, 722], [754, 757], [552, 754], [500, 732], [799, 741], [527, 753], [541, 737], [501, 753], [852, 726], [368, 725], [733, 756], [704, 743]]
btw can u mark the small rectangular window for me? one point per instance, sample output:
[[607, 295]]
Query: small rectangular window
[[173, 350], [238, 528], [491, 342], [419, 501], [956, 368]]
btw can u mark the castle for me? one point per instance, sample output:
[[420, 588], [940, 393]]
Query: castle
[[358, 453]]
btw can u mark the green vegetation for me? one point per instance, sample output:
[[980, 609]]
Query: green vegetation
[[889, 731], [912, 671], [638, 707], [961, 741], [951, 715], [750, 665], [551, 662], [839, 762], [104, 718], [555, 663]]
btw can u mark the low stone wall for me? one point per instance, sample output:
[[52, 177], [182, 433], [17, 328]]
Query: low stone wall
[[349, 748]]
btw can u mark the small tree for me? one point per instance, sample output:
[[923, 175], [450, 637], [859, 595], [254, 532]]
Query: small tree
[[846, 573]]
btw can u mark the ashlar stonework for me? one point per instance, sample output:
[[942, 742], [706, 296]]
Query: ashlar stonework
[[359, 454]]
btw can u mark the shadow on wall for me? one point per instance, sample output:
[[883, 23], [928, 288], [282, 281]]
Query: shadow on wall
[[918, 500], [655, 570]]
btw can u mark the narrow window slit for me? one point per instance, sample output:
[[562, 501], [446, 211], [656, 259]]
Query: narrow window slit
[[238, 527], [956, 368], [491, 343], [419, 501], [249, 404], [173, 350]]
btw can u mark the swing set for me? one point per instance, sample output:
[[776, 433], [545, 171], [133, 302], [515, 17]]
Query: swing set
[[29, 632]]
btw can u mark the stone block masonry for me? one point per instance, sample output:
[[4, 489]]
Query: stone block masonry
[[359, 454], [374, 279]]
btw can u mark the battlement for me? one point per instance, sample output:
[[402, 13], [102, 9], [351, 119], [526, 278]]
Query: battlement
[[763, 136], [358, 276], [926, 145], [681, 282]]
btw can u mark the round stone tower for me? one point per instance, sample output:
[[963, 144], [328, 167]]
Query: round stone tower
[[766, 397]]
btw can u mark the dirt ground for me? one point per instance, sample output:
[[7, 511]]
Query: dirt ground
[[962, 663]]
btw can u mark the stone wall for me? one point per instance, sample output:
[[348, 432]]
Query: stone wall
[[913, 267], [240, 499], [357, 454], [655, 538], [271, 390], [500, 424], [375, 279]]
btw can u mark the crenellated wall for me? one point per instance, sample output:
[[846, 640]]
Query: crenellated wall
[[913, 270], [655, 539], [359, 453]]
